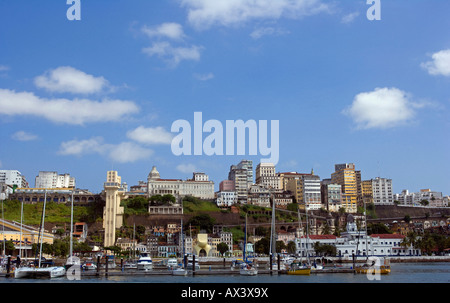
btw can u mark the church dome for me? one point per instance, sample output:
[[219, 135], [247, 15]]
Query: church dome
[[154, 174]]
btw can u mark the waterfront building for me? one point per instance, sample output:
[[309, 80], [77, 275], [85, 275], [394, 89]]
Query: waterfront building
[[266, 176], [112, 212], [356, 241], [199, 186], [51, 179], [346, 176], [30, 236]]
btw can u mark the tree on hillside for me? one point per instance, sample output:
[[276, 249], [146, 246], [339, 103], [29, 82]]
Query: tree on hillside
[[203, 221]]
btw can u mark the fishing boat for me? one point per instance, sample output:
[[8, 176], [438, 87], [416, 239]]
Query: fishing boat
[[374, 268], [298, 268], [172, 263]]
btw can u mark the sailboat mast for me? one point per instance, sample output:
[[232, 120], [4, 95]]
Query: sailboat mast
[[4, 241], [21, 232], [71, 228], [272, 230], [245, 238], [42, 227]]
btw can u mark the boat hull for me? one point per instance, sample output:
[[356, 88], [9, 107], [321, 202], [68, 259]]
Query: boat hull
[[299, 272], [33, 273], [383, 270]]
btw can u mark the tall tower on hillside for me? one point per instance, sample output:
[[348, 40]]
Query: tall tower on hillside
[[113, 212]]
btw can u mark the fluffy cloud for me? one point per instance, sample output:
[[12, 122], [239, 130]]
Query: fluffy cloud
[[186, 168], [440, 65], [150, 135], [124, 152], [24, 136], [77, 111], [66, 79], [167, 30], [203, 14], [382, 108], [173, 54], [129, 152]]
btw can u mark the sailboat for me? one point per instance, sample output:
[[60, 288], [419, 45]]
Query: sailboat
[[36, 272], [373, 268], [180, 270], [72, 261], [299, 267], [246, 269]]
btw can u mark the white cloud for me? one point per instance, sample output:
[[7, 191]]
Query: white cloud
[[186, 168], [167, 30], [204, 77], [349, 18], [4, 68], [66, 79], [173, 55], [124, 152], [77, 111], [150, 135], [440, 64], [267, 31], [203, 14], [24, 136], [382, 108]]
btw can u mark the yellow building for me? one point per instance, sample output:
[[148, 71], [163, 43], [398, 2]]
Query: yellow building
[[367, 192], [30, 235], [346, 176]]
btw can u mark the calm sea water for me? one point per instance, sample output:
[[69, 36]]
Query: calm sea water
[[400, 273]]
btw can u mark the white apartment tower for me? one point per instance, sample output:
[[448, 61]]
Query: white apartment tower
[[13, 177], [51, 179]]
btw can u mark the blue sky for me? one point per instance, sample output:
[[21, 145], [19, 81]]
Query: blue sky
[[84, 97]]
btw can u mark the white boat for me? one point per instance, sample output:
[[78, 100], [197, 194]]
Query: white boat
[[179, 271], [130, 265], [89, 265], [44, 272], [145, 262], [190, 265], [247, 270], [172, 263]]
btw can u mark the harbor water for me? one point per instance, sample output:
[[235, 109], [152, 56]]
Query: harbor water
[[427, 272]]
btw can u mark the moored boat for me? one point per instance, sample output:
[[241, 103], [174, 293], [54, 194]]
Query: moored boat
[[145, 262]]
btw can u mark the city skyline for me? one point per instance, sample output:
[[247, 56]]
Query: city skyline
[[88, 96]]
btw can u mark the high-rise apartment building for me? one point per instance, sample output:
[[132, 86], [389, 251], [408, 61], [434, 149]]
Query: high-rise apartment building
[[266, 176], [331, 196], [13, 177], [382, 191], [240, 178], [51, 179], [346, 176], [247, 165]]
